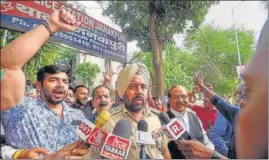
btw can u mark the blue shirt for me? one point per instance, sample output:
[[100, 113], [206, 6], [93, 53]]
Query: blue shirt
[[31, 123], [229, 112], [220, 134]]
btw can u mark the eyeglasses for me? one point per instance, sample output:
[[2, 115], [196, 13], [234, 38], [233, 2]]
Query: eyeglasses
[[182, 96]]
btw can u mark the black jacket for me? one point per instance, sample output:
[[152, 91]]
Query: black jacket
[[196, 132]]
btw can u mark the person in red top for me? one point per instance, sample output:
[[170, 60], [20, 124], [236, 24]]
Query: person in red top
[[207, 113], [158, 104]]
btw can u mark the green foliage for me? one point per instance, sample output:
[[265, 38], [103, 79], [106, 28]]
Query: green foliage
[[216, 54], [7, 36], [50, 53], [211, 50], [87, 72], [175, 68], [172, 17]]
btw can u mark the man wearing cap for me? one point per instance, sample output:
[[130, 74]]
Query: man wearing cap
[[133, 88]]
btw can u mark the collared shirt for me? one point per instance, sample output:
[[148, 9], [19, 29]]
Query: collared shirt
[[184, 117], [31, 123], [154, 151], [220, 134], [207, 116]]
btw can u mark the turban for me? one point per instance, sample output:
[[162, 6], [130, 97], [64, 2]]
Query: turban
[[128, 72]]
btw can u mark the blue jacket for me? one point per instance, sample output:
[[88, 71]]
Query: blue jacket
[[229, 112], [220, 134]]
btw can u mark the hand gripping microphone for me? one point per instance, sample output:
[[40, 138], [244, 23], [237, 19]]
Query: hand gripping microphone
[[117, 144]]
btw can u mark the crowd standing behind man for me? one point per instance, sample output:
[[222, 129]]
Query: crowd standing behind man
[[133, 87]]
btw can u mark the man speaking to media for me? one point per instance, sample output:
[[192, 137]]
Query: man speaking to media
[[133, 88]]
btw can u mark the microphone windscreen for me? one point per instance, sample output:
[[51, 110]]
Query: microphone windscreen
[[123, 129], [142, 125], [164, 118], [102, 118]]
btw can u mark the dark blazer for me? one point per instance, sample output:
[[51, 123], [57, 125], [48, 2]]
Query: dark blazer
[[196, 132]]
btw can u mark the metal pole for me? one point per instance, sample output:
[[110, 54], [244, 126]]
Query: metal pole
[[236, 39]]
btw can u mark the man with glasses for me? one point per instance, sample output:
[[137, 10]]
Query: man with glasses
[[178, 102]]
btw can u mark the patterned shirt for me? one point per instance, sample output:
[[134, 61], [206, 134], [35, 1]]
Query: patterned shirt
[[31, 123]]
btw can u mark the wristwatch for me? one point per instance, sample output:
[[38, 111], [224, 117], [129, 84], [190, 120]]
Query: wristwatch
[[216, 155]]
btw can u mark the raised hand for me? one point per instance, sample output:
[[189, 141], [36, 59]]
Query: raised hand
[[198, 79], [108, 74], [196, 89], [62, 20]]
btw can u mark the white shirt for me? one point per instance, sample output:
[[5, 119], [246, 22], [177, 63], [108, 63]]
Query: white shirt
[[184, 117]]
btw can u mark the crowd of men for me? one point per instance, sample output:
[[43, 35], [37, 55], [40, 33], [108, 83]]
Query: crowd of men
[[43, 126]]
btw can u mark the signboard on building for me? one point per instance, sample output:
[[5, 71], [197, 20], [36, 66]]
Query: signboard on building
[[92, 36], [240, 70]]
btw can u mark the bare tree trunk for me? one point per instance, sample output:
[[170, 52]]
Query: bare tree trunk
[[156, 46]]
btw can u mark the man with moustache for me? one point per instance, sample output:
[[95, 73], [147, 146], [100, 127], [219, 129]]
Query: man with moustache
[[133, 88], [81, 94], [178, 102], [101, 100], [45, 122]]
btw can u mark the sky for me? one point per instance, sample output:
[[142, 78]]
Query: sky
[[251, 14]]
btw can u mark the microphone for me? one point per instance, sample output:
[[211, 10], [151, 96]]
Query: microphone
[[173, 128], [91, 134], [102, 118], [143, 137], [164, 119], [117, 144]]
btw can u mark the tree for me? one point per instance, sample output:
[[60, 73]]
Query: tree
[[50, 53], [153, 23], [87, 72], [214, 49], [176, 67]]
